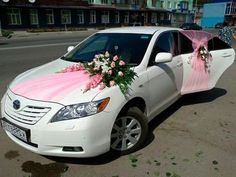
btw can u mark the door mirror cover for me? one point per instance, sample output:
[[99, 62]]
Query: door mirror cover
[[163, 57], [70, 48]]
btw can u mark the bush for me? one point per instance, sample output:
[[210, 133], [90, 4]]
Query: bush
[[6, 33]]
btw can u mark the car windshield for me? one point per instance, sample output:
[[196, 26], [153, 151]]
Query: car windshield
[[130, 47]]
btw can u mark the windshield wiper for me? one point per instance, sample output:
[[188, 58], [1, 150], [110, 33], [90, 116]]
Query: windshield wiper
[[73, 60]]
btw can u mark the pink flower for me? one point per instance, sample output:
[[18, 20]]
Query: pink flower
[[96, 68], [73, 68], [94, 81], [110, 72], [112, 83], [120, 73], [113, 64], [115, 58], [121, 63]]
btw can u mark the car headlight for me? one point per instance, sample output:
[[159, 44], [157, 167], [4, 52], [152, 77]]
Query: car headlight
[[80, 110]]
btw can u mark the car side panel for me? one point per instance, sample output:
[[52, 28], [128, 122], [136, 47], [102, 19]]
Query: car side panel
[[222, 59]]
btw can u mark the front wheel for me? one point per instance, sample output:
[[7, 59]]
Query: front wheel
[[129, 131]]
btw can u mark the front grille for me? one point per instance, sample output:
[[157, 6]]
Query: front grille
[[28, 114]]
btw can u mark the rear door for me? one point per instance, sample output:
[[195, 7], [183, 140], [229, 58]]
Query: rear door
[[222, 57]]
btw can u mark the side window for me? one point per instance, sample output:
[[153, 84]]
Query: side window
[[219, 44], [185, 44], [165, 43], [175, 43], [210, 45]]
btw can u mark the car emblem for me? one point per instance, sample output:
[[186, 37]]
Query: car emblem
[[16, 104]]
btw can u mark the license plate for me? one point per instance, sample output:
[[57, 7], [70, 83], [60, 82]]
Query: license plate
[[14, 130]]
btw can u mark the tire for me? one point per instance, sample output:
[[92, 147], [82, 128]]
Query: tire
[[129, 132]]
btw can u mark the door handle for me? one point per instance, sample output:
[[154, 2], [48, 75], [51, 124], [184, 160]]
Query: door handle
[[226, 55], [179, 64]]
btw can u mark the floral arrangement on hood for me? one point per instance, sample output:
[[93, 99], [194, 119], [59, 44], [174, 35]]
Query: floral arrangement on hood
[[106, 70]]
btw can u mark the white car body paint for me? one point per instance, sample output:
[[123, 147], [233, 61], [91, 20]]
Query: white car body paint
[[159, 86]]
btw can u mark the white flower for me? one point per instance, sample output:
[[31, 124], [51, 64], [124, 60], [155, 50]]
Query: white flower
[[101, 56], [120, 73], [105, 68], [98, 64], [107, 54]]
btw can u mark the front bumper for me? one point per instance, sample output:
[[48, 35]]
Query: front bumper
[[90, 134]]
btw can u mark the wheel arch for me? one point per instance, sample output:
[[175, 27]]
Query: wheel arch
[[138, 102]]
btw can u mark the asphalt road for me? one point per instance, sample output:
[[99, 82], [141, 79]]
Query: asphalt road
[[196, 137]]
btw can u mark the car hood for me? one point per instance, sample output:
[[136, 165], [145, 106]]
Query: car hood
[[47, 83]]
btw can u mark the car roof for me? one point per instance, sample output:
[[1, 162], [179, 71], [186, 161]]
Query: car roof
[[138, 29]]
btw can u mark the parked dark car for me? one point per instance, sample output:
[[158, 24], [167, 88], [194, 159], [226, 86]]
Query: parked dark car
[[191, 26], [219, 25]]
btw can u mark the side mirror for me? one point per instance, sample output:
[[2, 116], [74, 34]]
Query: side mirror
[[163, 57], [70, 48]]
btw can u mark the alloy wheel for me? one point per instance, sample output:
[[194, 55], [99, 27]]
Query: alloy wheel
[[126, 133]]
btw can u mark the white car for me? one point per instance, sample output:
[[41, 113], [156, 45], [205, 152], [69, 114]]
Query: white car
[[74, 123]]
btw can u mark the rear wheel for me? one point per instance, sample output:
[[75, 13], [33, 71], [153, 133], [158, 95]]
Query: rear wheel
[[129, 131]]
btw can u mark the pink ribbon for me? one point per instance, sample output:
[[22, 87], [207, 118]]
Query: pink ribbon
[[55, 87]]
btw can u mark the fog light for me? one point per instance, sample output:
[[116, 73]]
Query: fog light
[[72, 149]]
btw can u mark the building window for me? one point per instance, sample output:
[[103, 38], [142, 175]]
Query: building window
[[49, 16], [175, 5], [13, 16], [80, 15], [105, 17], [91, 1], [169, 4], [162, 4], [184, 5], [104, 1], [169, 16], [134, 2], [145, 17], [126, 19], [92, 17], [117, 17], [34, 20], [65, 17], [153, 3], [162, 16], [154, 17]]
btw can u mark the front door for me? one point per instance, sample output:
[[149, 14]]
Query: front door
[[165, 79]]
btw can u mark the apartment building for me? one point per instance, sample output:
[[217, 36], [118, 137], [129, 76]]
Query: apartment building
[[23, 14]]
